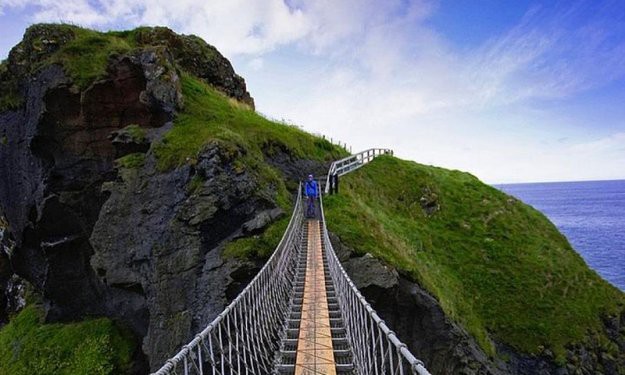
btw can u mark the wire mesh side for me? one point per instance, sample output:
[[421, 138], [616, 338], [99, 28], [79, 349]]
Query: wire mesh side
[[243, 338], [376, 349]]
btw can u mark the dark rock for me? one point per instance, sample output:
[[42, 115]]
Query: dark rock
[[57, 154], [151, 235], [5, 274], [198, 58], [343, 252], [50, 191], [260, 221], [429, 202], [419, 321], [294, 168], [368, 271], [15, 295], [127, 141], [12, 287], [39, 42]]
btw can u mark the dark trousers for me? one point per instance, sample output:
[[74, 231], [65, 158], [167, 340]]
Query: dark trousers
[[310, 209]]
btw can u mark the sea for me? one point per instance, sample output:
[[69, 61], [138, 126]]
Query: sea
[[591, 214]]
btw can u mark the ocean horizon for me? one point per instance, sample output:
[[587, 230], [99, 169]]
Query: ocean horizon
[[591, 214]]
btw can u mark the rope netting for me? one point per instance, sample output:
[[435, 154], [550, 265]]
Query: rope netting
[[375, 348], [243, 339]]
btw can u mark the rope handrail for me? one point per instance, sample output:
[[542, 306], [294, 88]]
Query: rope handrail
[[243, 338], [351, 163], [376, 348]]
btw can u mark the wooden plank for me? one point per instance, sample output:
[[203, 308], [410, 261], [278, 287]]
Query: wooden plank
[[315, 354]]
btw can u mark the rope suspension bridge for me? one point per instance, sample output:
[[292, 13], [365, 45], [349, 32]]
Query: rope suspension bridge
[[301, 314]]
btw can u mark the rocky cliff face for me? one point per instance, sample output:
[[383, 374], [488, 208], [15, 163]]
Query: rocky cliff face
[[96, 238]]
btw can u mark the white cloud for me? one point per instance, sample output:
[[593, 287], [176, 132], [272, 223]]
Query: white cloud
[[377, 73], [256, 63], [400, 84], [242, 26]]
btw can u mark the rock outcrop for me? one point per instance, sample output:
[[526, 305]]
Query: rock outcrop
[[197, 57], [97, 239]]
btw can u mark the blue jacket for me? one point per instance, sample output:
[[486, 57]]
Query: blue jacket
[[311, 188]]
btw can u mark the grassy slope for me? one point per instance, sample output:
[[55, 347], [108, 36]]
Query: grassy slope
[[94, 347], [496, 265], [210, 116]]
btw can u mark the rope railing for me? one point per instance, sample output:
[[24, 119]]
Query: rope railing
[[353, 162], [375, 347], [243, 339]]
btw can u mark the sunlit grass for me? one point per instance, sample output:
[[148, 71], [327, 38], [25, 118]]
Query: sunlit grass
[[98, 347], [496, 265]]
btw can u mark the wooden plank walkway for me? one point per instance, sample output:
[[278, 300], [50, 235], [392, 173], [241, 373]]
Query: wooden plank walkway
[[315, 354]]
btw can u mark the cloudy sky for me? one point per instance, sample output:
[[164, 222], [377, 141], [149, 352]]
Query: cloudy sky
[[511, 91]]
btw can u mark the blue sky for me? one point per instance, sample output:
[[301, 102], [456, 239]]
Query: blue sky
[[511, 91]]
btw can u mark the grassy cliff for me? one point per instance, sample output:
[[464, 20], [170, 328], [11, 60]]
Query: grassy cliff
[[209, 116], [496, 265], [95, 346]]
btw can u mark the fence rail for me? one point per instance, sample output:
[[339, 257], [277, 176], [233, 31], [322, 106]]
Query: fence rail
[[353, 162]]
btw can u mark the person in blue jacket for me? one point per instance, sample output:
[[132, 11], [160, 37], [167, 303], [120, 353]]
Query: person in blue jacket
[[311, 192]]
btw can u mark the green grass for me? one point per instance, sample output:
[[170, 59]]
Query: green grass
[[9, 96], [246, 138], [496, 265], [209, 115], [260, 246], [131, 161], [86, 56], [10, 100], [136, 132], [94, 347]]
